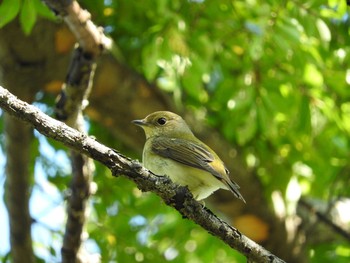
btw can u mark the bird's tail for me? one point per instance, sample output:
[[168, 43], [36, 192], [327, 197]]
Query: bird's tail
[[233, 187]]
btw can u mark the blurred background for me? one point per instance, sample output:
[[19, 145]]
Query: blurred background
[[264, 83]]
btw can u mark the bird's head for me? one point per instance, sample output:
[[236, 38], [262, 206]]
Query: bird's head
[[164, 123]]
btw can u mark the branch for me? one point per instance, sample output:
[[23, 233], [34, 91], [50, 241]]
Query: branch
[[173, 195], [325, 219], [69, 107], [71, 102], [90, 38]]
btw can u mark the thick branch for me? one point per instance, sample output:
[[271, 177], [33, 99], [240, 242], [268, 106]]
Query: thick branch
[[173, 195]]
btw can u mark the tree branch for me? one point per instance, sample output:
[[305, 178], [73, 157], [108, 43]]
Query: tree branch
[[173, 195], [90, 38], [73, 99], [71, 102], [325, 219]]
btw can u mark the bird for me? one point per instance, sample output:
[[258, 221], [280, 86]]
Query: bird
[[172, 149]]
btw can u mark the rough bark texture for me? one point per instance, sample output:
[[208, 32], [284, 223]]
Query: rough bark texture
[[75, 93], [82, 170], [176, 196]]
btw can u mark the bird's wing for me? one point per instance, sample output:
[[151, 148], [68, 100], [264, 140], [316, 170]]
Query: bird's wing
[[185, 152], [195, 155]]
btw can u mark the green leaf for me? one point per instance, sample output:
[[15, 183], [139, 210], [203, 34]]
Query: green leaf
[[150, 55], [43, 10], [27, 16], [263, 122], [288, 30], [337, 9], [247, 131], [304, 124], [192, 80], [312, 75], [8, 11]]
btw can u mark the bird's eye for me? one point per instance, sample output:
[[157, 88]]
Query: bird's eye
[[161, 121]]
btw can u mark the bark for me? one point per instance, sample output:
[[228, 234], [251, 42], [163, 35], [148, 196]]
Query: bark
[[82, 170], [173, 195], [71, 103], [74, 95]]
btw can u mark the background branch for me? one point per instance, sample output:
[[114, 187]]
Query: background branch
[[69, 107], [90, 38], [72, 101], [173, 195], [325, 219]]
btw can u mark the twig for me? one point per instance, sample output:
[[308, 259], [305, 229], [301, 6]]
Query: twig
[[323, 218]]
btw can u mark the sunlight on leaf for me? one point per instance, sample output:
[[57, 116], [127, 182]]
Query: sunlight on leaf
[[8, 11], [27, 16], [312, 75]]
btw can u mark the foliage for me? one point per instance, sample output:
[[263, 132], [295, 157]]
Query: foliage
[[272, 76], [27, 10]]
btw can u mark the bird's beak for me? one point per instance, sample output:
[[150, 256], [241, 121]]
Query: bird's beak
[[139, 122]]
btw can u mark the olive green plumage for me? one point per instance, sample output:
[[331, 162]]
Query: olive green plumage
[[172, 149]]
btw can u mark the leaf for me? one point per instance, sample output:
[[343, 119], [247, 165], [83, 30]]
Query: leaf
[[256, 48], [43, 10], [248, 130], [8, 11], [324, 31], [150, 55], [264, 123], [27, 16], [304, 124], [192, 80], [312, 75]]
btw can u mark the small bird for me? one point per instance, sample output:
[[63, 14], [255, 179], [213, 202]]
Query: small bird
[[172, 149]]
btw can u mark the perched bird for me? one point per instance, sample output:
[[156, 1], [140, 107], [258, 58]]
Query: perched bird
[[171, 149]]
